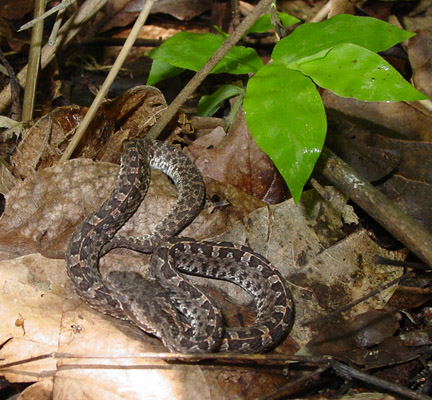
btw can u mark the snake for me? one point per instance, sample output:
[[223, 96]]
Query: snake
[[167, 304]]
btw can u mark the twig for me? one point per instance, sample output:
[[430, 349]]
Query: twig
[[59, 18], [67, 32], [358, 301], [263, 359], [207, 68], [322, 14], [377, 205], [352, 373], [33, 63], [108, 81], [38, 18], [397, 263]]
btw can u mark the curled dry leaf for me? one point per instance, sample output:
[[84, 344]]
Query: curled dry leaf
[[129, 114], [43, 142]]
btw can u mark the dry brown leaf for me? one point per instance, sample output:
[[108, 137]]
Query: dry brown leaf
[[401, 166], [399, 119], [41, 390], [419, 52], [362, 331], [128, 115], [237, 160], [122, 13], [42, 211]]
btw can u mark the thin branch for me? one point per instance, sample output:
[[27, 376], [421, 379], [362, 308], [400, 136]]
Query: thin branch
[[352, 373], [231, 358], [38, 18], [377, 205], [358, 301]]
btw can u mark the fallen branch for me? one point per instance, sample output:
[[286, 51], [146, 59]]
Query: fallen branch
[[377, 205]]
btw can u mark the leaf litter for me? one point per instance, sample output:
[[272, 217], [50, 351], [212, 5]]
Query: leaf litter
[[42, 212]]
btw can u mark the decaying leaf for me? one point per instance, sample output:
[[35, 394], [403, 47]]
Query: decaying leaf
[[128, 115], [235, 158]]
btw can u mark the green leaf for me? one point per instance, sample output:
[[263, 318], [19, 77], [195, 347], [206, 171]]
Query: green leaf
[[285, 115], [161, 70], [208, 105], [239, 60], [353, 71], [312, 38], [193, 50], [263, 23]]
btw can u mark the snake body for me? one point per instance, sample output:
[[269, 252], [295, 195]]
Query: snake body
[[168, 305]]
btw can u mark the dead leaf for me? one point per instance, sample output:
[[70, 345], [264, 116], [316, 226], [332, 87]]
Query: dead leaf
[[129, 114], [398, 119], [409, 297], [122, 13], [363, 331], [236, 159], [401, 166], [419, 51]]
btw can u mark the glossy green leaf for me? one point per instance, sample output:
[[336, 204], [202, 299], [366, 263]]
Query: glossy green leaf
[[161, 70], [239, 60], [208, 105], [312, 38], [285, 115], [353, 71], [192, 51], [263, 23]]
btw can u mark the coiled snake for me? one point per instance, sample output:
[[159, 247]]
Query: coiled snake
[[168, 305]]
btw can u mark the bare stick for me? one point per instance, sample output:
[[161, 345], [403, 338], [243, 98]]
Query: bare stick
[[207, 68], [377, 205], [352, 373], [109, 80]]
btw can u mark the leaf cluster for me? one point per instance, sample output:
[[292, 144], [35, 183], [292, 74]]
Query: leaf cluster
[[282, 105]]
